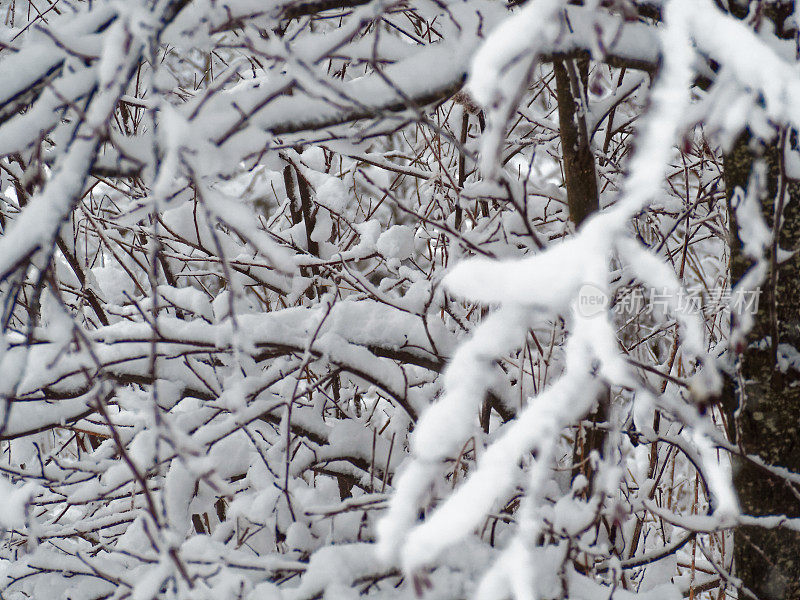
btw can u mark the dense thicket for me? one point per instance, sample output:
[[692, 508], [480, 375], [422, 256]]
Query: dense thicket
[[324, 299]]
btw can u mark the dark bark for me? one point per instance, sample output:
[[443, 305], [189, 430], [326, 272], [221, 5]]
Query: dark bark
[[761, 401], [580, 177], [301, 211], [583, 199]]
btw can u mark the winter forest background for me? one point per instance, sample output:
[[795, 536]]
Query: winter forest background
[[442, 299]]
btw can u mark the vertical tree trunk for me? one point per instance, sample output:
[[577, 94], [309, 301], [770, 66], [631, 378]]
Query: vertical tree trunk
[[583, 199], [764, 409], [580, 176]]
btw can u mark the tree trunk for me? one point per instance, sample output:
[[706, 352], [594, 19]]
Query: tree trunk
[[764, 409], [583, 199], [580, 176]]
